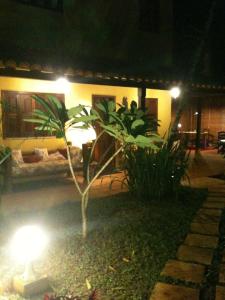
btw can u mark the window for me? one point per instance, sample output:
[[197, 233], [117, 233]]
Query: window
[[149, 17], [19, 105], [56, 5]]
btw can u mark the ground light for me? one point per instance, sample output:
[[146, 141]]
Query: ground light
[[27, 245], [175, 92]]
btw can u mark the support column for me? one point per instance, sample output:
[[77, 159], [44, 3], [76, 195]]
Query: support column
[[198, 129], [141, 97]]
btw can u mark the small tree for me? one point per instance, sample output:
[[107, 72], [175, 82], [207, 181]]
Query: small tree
[[56, 118]]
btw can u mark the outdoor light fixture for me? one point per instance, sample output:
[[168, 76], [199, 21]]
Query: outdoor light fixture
[[79, 136], [62, 84], [27, 245], [175, 92]]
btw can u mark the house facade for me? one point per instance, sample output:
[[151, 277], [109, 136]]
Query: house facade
[[73, 93], [76, 35]]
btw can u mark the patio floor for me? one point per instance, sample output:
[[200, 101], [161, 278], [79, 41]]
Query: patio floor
[[41, 195]]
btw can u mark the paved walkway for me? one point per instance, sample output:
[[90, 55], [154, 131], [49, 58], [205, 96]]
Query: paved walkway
[[200, 252], [56, 192]]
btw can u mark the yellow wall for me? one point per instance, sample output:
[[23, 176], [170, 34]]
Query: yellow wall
[[164, 108], [75, 94]]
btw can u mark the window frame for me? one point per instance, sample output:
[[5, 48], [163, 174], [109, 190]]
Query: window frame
[[21, 133]]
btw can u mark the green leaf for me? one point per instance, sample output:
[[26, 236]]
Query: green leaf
[[140, 113], [130, 139], [95, 113], [112, 130], [137, 123], [46, 106], [111, 106], [55, 101], [74, 111], [87, 119], [101, 107], [37, 121], [44, 122], [143, 142]]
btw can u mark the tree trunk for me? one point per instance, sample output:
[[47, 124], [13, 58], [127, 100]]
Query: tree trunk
[[84, 215]]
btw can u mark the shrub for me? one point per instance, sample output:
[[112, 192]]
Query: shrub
[[154, 174]]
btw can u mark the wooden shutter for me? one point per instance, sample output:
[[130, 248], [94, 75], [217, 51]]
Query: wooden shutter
[[19, 105]]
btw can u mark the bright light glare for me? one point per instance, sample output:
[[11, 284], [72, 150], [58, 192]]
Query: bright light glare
[[62, 84], [79, 136], [175, 92], [28, 243], [179, 125]]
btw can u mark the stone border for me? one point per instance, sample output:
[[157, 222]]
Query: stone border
[[196, 256]]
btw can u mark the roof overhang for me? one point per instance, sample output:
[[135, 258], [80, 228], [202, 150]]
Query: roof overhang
[[10, 68]]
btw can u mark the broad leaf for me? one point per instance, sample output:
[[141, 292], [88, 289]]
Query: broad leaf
[[96, 113], [111, 106], [55, 101], [46, 106], [101, 107], [143, 142], [137, 123], [74, 111], [87, 119]]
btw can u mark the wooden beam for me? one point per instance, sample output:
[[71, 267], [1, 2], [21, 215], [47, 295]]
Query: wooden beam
[[198, 129], [141, 98]]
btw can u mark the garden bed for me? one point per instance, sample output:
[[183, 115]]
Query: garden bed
[[129, 242]]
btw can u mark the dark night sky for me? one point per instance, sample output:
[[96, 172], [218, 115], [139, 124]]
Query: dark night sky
[[190, 18]]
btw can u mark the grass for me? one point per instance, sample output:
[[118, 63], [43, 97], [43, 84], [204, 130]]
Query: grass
[[128, 244]]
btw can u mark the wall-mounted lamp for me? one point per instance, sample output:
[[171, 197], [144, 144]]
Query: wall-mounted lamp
[[79, 136], [175, 92], [62, 84]]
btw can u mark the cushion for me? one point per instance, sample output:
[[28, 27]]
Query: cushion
[[42, 152], [76, 155], [56, 156], [33, 158], [63, 152], [17, 156]]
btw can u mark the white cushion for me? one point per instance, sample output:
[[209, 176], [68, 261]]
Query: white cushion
[[42, 152], [56, 156], [17, 156]]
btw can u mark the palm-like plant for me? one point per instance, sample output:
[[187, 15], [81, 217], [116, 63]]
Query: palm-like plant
[[54, 117]]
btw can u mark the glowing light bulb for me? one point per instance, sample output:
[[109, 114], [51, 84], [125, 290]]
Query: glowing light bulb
[[175, 92]]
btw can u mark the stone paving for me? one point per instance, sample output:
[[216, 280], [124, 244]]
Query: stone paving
[[199, 240], [184, 271], [188, 271], [163, 291]]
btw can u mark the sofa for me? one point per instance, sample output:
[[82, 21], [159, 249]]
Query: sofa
[[40, 164]]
